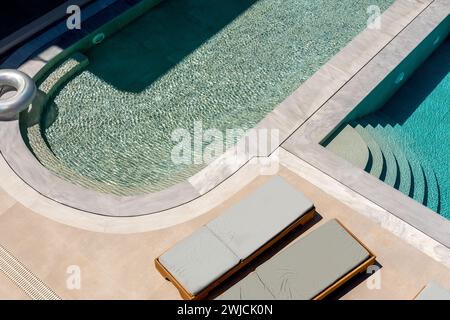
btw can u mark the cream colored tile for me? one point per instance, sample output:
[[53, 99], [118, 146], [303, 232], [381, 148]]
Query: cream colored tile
[[9, 291]]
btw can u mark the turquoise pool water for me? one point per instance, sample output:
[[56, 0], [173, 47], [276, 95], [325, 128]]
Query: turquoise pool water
[[411, 132], [225, 63]]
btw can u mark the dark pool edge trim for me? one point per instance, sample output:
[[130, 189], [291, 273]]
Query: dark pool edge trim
[[37, 25], [196, 186], [305, 143], [48, 37]]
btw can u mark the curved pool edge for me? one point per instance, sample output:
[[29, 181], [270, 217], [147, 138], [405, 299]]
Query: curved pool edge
[[287, 117], [24, 164], [27, 197]]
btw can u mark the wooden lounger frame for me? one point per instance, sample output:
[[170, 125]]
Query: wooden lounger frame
[[301, 221], [185, 294], [418, 293], [359, 269]]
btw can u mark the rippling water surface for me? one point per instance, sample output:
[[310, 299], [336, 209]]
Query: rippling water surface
[[225, 63]]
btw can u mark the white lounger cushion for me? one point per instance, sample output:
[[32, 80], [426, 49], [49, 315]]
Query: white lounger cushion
[[198, 260], [312, 264], [304, 269], [433, 291], [249, 288], [254, 221]]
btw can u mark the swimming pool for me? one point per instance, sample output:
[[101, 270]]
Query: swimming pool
[[406, 142], [225, 63]]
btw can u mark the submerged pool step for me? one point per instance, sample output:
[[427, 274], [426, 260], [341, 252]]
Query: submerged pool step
[[431, 188], [39, 119], [36, 124], [425, 183], [377, 161], [349, 145], [391, 174], [67, 69], [404, 181], [377, 144], [432, 198], [418, 178], [390, 170], [414, 176]]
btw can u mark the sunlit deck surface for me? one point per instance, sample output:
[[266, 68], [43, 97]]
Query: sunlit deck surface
[[116, 266]]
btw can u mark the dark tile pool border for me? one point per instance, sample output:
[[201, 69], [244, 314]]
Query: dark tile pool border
[[36, 26]]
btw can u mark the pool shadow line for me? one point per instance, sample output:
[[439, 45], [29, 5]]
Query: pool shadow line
[[147, 48], [421, 83]]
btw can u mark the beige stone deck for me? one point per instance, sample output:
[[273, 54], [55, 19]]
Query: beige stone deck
[[8, 291], [120, 266]]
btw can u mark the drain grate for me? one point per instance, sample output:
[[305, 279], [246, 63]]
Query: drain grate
[[24, 278]]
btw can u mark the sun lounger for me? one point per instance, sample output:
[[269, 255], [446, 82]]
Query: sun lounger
[[311, 268], [213, 253], [433, 291]]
